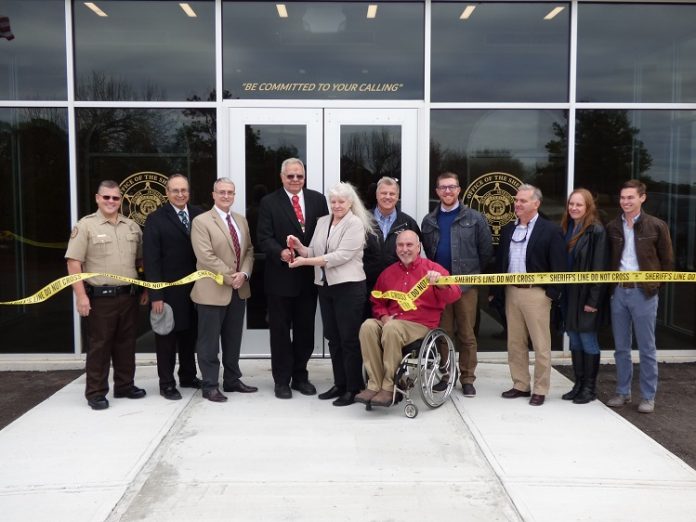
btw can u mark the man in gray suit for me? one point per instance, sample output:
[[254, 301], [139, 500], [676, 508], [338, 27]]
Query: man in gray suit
[[221, 242]]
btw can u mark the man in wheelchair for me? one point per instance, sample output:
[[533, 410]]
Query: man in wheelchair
[[382, 338]]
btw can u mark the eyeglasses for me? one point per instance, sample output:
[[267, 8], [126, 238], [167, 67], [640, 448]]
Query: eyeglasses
[[178, 191], [447, 188], [519, 239], [298, 177], [225, 193], [109, 198]]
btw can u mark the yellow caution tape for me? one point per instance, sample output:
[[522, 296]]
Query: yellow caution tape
[[7, 234], [60, 284], [406, 299]]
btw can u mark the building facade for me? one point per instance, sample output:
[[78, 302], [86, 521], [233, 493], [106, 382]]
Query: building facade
[[558, 94]]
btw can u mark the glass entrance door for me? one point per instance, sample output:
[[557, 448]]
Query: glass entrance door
[[355, 145]]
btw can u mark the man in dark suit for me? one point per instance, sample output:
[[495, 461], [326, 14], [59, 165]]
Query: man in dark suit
[[168, 256], [221, 242], [292, 294], [530, 244]]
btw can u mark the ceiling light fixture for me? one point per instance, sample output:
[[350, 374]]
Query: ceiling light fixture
[[552, 14], [282, 10], [188, 10], [466, 13], [95, 9], [372, 11]]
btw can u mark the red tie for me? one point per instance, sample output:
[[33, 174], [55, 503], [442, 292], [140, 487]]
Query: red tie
[[298, 209], [235, 241]]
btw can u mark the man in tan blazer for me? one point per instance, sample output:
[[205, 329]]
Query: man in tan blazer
[[222, 244]]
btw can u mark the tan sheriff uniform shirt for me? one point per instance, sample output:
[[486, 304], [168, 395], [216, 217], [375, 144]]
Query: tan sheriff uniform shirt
[[102, 246]]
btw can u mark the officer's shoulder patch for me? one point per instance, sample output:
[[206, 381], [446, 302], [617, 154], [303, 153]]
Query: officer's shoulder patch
[[74, 232]]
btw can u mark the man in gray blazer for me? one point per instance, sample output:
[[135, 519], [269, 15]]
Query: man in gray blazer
[[221, 242]]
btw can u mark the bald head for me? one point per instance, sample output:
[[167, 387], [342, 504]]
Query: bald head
[[407, 246]]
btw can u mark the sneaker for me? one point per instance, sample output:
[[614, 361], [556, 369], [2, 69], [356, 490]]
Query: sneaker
[[646, 406], [442, 385], [618, 400], [468, 390]]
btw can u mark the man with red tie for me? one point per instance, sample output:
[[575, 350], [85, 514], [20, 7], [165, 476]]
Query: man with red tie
[[221, 242], [292, 294]]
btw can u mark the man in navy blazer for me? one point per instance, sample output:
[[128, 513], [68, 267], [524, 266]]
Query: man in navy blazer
[[168, 256], [292, 294], [530, 244]]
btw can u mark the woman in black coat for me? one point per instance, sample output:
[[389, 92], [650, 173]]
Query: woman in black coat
[[584, 304]]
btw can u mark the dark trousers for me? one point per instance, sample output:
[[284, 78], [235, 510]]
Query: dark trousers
[[289, 355], [111, 331], [342, 308], [167, 346], [220, 326]]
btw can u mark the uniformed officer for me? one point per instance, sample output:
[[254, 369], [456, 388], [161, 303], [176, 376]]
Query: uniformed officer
[[107, 242]]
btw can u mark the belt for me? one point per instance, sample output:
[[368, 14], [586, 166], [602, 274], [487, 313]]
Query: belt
[[628, 285], [524, 286], [109, 291]]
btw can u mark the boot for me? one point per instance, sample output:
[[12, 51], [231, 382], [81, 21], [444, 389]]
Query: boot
[[588, 392], [579, 370]]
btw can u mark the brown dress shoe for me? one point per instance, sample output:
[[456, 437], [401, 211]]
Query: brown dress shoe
[[513, 393], [383, 398], [365, 396], [214, 395], [536, 400]]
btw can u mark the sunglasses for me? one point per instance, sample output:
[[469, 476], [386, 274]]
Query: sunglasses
[[109, 198], [298, 177]]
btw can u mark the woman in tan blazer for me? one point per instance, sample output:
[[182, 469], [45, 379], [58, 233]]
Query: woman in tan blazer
[[336, 253]]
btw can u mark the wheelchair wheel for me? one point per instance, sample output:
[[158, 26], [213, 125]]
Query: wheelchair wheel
[[432, 367], [411, 410]]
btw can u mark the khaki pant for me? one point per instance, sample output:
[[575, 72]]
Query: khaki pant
[[381, 349], [528, 316], [459, 318]]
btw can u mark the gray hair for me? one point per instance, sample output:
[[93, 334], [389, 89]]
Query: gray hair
[[536, 193], [392, 182], [291, 161], [174, 176], [108, 183], [347, 191], [220, 181]]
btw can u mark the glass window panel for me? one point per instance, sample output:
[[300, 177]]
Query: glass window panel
[[636, 53], [323, 50], [657, 147], [369, 152], [35, 217], [502, 52], [145, 50], [493, 152], [138, 148], [267, 146], [32, 53]]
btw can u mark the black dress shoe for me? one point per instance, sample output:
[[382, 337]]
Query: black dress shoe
[[171, 393], [195, 383], [346, 399], [304, 387], [214, 395], [282, 391], [98, 403], [536, 400], [513, 393], [239, 386], [131, 393], [331, 393]]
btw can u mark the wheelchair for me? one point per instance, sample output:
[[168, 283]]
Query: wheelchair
[[424, 368]]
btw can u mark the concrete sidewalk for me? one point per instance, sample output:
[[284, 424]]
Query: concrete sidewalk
[[259, 458]]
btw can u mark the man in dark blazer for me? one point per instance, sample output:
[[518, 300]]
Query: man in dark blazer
[[168, 256], [221, 242], [530, 244], [292, 294]]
